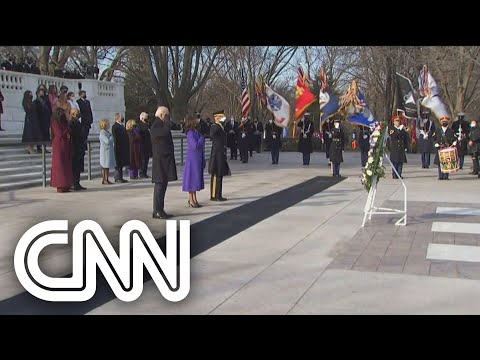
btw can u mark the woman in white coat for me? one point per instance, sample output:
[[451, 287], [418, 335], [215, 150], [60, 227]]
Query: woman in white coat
[[107, 155]]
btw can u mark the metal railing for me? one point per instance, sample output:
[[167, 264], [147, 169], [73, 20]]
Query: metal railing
[[44, 144]]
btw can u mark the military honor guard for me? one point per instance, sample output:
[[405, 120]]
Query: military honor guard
[[443, 138], [364, 133], [306, 130], [425, 140], [257, 128], [231, 127], [398, 146], [273, 139], [337, 147], [218, 165], [244, 139], [474, 145], [461, 129], [327, 127]]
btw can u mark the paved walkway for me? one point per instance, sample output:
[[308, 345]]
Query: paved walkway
[[312, 257]]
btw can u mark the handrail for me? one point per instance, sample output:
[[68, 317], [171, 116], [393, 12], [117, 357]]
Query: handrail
[[6, 143], [44, 145]]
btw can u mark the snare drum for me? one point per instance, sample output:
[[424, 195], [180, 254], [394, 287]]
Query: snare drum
[[448, 160]]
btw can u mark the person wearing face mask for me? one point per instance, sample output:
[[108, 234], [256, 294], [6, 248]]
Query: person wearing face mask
[[244, 139], [231, 127], [474, 145], [306, 130], [336, 147], [443, 138], [273, 139], [218, 165], [364, 133], [164, 168], [398, 146], [257, 128], [121, 147], [85, 113], [425, 145], [461, 129]]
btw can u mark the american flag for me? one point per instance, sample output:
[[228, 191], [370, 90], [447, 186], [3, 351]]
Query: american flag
[[246, 104]]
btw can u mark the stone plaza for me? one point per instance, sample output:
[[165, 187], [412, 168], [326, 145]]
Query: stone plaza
[[282, 253]]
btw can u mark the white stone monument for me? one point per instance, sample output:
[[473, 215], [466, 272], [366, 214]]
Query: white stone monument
[[106, 98]]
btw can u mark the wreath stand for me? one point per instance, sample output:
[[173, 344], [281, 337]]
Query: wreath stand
[[370, 209]]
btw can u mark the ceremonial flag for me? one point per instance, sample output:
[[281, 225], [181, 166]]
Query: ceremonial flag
[[278, 106], [365, 117], [406, 96], [303, 96], [260, 92], [246, 104], [428, 88], [327, 99]]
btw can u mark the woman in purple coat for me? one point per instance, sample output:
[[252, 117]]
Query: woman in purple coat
[[195, 162]]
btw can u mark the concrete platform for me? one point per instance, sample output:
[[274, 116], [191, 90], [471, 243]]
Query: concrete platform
[[310, 258]]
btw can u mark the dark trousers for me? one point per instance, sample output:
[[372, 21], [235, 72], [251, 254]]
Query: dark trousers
[[118, 173], [475, 163], [244, 152], [85, 132], [76, 177], [442, 175], [461, 159], [425, 159], [159, 197], [399, 167], [258, 142], [144, 170], [275, 154], [306, 158], [336, 169], [364, 157], [216, 184], [327, 148], [233, 152]]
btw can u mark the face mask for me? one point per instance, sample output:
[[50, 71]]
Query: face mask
[[337, 125]]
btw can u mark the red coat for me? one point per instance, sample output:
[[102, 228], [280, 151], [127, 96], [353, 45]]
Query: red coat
[[62, 175], [136, 148]]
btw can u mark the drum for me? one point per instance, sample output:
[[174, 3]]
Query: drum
[[448, 160]]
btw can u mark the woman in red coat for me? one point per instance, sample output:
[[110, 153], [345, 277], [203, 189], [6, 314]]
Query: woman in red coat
[[62, 175]]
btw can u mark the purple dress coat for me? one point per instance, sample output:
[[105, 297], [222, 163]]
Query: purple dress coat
[[194, 163]]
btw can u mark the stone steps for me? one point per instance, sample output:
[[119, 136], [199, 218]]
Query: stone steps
[[19, 169]]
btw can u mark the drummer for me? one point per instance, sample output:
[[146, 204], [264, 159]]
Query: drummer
[[443, 138]]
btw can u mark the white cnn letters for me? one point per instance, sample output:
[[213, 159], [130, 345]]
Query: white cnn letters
[[123, 272]]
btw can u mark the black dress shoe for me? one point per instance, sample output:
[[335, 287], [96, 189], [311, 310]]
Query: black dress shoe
[[213, 199], [222, 199], [161, 215]]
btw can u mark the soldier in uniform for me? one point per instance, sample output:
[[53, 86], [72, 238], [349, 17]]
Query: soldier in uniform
[[244, 139], [461, 129], [364, 133], [218, 165], [327, 137], [306, 130], [474, 145], [398, 146], [273, 139], [427, 128], [336, 148], [443, 138], [257, 128], [231, 127]]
